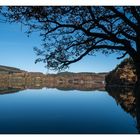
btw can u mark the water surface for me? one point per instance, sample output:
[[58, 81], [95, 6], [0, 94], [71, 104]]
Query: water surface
[[53, 111]]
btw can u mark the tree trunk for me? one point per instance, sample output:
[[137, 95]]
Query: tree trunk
[[137, 94], [136, 60], [137, 65]]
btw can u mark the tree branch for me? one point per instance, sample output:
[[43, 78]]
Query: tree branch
[[122, 56], [126, 35], [135, 14], [123, 17], [92, 48], [113, 36], [97, 22]]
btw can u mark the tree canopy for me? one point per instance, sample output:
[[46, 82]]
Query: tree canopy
[[69, 33]]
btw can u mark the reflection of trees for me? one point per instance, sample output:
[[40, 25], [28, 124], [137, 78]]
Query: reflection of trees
[[10, 87], [137, 95], [129, 99], [124, 97], [9, 90], [76, 86]]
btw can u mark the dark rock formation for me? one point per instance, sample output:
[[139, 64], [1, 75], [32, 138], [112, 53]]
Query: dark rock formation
[[123, 74]]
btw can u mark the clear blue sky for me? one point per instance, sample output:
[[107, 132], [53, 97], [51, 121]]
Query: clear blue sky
[[16, 50]]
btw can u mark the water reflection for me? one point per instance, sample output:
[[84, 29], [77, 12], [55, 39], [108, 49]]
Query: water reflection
[[124, 97], [129, 99], [94, 105], [11, 87], [9, 90], [137, 96]]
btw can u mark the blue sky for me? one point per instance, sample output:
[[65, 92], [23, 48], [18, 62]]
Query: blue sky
[[16, 50]]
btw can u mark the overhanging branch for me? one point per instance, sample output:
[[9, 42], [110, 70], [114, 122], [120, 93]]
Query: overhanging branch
[[121, 48], [123, 17], [122, 56]]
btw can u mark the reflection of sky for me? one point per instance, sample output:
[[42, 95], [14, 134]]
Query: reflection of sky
[[16, 49], [58, 111]]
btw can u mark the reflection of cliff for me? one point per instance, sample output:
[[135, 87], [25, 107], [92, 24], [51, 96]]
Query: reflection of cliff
[[124, 97], [26, 80]]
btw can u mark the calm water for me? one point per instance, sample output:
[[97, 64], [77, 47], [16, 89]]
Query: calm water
[[57, 111]]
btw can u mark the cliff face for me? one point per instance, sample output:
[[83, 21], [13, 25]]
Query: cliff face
[[123, 74]]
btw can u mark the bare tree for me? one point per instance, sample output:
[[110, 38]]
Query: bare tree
[[71, 32]]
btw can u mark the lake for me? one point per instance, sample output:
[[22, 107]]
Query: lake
[[53, 111]]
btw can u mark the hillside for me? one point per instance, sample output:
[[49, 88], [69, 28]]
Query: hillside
[[123, 74], [8, 70], [18, 79]]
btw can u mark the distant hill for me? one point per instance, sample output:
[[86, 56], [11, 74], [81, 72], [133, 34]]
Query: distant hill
[[10, 70], [13, 79], [7, 69]]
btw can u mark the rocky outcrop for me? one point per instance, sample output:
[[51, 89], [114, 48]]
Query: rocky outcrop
[[123, 74]]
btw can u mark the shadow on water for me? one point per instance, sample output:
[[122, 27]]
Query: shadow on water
[[129, 99]]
